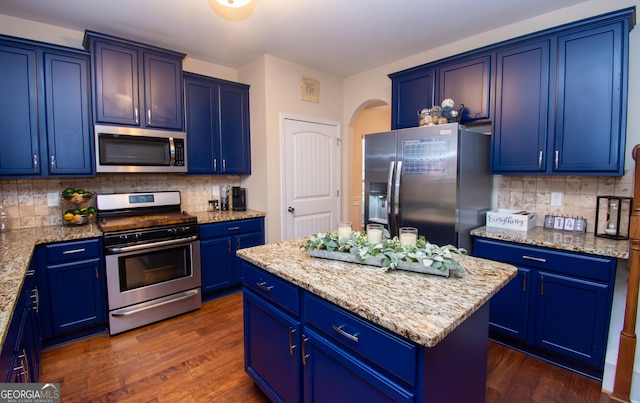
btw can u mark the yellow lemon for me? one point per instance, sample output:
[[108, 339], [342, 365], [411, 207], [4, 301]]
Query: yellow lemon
[[67, 216]]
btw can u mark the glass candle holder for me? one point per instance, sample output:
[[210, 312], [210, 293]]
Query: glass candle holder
[[344, 230], [374, 233], [408, 236]]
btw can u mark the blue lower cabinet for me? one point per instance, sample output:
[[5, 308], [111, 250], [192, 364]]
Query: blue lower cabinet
[[272, 356], [510, 307], [558, 307], [302, 348], [221, 269], [74, 290], [20, 355], [333, 375], [572, 317]]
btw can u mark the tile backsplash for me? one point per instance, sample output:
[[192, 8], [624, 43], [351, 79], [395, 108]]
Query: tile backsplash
[[533, 193], [25, 200], [26, 205]]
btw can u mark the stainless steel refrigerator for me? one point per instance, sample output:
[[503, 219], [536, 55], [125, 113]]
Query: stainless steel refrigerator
[[434, 178]]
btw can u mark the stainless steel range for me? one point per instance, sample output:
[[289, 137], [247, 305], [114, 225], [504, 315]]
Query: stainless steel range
[[152, 257]]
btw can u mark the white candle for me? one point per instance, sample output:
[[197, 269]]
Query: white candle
[[344, 232], [374, 236], [408, 239]]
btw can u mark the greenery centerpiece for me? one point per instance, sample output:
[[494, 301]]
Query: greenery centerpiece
[[424, 257]]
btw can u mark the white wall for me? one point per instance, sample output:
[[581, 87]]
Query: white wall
[[277, 82]]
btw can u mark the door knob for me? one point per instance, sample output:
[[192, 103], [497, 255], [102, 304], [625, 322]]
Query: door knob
[[291, 210]]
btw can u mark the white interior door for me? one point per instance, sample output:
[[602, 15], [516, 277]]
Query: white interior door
[[311, 177]]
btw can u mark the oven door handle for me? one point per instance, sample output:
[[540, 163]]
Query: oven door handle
[[152, 245], [128, 312]]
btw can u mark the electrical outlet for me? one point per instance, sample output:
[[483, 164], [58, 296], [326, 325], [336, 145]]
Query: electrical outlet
[[53, 199], [556, 199], [216, 190]]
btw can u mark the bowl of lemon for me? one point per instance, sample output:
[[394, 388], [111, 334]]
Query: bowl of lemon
[[76, 196], [77, 206]]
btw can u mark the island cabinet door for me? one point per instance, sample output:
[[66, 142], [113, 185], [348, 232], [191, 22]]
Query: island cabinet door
[[333, 375], [510, 307], [271, 342], [570, 315]]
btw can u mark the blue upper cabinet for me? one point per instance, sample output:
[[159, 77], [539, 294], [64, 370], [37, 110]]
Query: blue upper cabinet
[[592, 101], [45, 115], [411, 91], [520, 124], [68, 106], [235, 149], [465, 80], [19, 154], [568, 115], [217, 126], [136, 84], [467, 83]]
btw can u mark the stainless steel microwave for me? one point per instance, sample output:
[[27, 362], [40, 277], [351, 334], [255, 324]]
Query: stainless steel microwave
[[136, 150]]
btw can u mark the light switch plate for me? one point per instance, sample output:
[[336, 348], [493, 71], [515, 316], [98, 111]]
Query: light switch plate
[[216, 190], [556, 199], [53, 199]]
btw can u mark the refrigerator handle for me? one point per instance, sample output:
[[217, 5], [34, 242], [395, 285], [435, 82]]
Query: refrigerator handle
[[390, 217], [396, 200]]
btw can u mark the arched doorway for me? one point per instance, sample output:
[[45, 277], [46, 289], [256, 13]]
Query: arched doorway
[[373, 116]]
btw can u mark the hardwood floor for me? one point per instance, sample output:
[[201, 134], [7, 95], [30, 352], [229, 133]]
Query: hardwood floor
[[198, 357]]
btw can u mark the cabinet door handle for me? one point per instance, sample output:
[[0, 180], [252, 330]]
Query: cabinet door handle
[[215, 164], [35, 299], [349, 336], [95, 269], [291, 345], [149, 116], [52, 163], [540, 160], [541, 285], [135, 115], [35, 163], [73, 251], [229, 245], [264, 286], [224, 165], [305, 356], [535, 259], [557, 158], [524, 282]]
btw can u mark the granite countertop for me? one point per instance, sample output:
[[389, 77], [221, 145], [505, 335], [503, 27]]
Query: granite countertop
[[423, 308], [563, 240], [16, 248]]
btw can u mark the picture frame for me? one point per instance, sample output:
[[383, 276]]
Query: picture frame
[[310, 89]]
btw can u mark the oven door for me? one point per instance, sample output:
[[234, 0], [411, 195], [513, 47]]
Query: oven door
[[151, 272]]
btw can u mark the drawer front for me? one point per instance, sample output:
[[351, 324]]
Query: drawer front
[[273, 288], [67, 251], [374, 344], [231, 227], [575, 264]]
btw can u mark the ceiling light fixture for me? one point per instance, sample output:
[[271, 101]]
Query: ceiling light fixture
[[233, 10], [234, 3]]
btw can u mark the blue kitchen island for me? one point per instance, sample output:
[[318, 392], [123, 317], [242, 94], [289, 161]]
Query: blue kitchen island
[[326, 330]]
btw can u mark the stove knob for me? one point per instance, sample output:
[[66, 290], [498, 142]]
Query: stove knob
[[124, 237]]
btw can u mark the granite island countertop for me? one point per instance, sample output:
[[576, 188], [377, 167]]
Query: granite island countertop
[[17, 245], [563, 240], [423, 308]]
